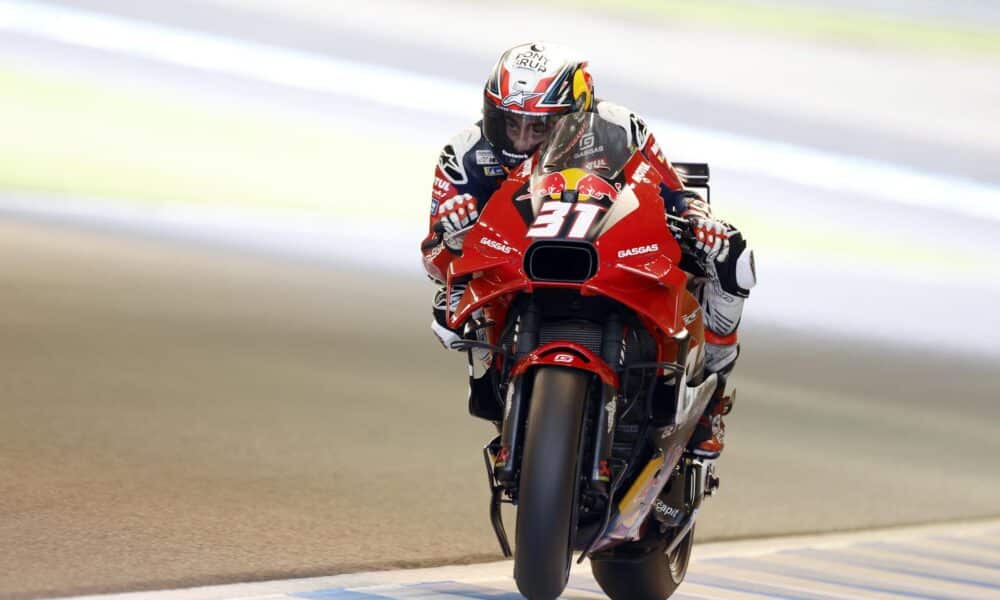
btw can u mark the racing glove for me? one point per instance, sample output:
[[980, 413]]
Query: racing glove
[[694, 206], [455, 215], [710, 241], [458, 212]]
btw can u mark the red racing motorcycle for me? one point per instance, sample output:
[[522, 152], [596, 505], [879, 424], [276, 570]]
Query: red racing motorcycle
[[595, 345]]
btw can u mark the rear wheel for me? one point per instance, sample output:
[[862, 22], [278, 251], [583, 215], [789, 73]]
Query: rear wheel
[[549, 484], [642, 571]]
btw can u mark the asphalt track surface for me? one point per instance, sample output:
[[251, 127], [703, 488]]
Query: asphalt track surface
[[952, 561], [176, 416]]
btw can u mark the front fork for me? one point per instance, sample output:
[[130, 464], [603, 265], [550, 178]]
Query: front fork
[[507, 459], [502, 455]]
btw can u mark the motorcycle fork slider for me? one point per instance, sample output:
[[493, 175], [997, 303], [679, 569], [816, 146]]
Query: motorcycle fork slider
[[505, 464], [600, 469], [607, 408], [496, 499], [505, 467]]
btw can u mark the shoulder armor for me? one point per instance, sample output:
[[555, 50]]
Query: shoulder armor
[[452, 159], [636, 128]]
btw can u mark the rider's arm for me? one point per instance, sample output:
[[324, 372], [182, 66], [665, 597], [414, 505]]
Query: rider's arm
[[466, 175], [677, 200], [437, 256]]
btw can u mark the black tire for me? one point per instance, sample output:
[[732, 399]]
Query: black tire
[[642, 571], [549, 486]]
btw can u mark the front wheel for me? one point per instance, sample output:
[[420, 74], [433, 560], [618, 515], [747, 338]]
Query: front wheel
[[549, 484], [643, 571]]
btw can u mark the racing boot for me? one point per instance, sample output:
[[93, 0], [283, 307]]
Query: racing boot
[[709, 436]]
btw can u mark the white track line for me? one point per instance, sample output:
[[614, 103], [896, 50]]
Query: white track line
[[941, 561], [380, 85]]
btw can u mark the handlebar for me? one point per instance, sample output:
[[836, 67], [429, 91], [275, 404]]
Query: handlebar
[[442, 235], [437, 239], [681, 228]]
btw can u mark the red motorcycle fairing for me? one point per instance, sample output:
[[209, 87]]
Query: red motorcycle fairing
[[569, 355], [638, 258]]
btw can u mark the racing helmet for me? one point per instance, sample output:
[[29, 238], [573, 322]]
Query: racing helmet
[[530, 87]]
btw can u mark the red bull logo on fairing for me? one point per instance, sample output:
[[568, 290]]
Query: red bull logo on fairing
[[596, 188], [588, 185]]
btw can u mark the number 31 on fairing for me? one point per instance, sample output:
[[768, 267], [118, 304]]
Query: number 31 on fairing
[[554, 215]]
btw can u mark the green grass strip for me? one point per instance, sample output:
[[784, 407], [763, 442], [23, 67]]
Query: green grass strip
[[840, 25], [66, 135]]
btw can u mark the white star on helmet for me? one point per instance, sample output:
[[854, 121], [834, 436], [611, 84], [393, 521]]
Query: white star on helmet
[[519, 97]]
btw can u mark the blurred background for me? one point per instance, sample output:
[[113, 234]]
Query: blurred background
[[216, 358]]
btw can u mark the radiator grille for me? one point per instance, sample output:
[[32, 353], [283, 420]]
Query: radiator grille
[[584, 333]]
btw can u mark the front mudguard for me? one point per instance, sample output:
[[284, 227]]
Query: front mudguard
[[566, 355], [569, 355]]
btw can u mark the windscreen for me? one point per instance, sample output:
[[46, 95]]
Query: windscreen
[[583, 140], [576, 184]]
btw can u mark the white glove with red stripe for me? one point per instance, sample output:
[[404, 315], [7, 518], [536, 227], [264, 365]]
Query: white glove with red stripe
[[458, 212], [711, 239]]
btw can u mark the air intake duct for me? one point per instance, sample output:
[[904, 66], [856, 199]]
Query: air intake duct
[[566, 261]]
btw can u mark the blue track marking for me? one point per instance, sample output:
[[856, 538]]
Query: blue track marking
[[339, 594], [467, 590], [825, 577], [747, 587], [586, 583], [945, 562], [940, 555], [448, 588], [974, 542], [891, 566]]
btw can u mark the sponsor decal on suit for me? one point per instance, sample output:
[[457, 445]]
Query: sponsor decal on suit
[[486, 157]]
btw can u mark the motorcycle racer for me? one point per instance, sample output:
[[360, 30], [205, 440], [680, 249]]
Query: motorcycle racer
[[530, 87]]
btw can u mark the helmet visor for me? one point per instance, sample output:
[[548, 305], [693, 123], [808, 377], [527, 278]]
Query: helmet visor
[[515, 135]]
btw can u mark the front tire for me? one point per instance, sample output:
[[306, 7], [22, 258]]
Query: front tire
[[549, 484], [642, 571]]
